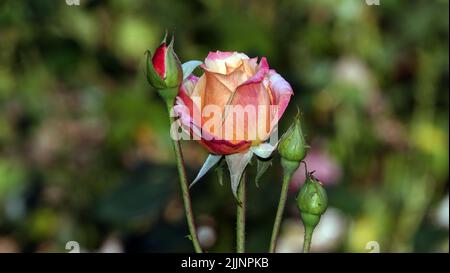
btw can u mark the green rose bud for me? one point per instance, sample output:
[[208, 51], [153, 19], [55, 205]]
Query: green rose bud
[[164, 70], [292, 146], [312, 201]]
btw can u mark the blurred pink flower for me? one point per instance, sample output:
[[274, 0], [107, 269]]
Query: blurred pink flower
[[326, 169]]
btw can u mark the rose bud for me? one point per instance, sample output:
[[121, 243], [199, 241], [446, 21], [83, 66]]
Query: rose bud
[[164, 70], [292, 146], [312, 201]]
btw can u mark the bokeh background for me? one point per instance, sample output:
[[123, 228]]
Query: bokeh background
[[84, 149]]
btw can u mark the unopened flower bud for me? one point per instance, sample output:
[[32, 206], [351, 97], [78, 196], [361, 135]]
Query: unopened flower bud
[[292, 146], [164, 70], [312, 201]]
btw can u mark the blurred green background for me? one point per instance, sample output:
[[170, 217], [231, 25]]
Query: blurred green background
[[84, 149]]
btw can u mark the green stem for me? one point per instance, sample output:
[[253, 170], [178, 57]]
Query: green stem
[[289, 167], [184, 187], [240, 216], [279, 215], [308, 236]]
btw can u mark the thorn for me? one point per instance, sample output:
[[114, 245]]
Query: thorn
[[239, 202]]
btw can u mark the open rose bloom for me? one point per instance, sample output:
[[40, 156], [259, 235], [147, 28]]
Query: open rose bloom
[[234, 106]]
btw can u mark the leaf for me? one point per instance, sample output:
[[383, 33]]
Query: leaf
[[209, 163], [189, 67], [261, 168], [236, 164], [263, 150]]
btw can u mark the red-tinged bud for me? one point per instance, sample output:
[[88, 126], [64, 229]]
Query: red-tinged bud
[[159, 60], [164, 68]]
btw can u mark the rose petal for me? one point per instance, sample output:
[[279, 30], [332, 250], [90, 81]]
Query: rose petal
[[214, 92], [159, 59], [185, 108], [281, 91], [224, 147], [223, 62], [233, 79], [252, 93]]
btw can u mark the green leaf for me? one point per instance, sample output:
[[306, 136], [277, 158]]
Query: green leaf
[[261, 168], [189, 67]]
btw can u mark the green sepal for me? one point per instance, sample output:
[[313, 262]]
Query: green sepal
[[189, 67], [153, 77], [174, 71], [262, 166]]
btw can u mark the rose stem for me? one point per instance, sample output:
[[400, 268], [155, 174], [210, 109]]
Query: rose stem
[[307, 240], [240, 216], [280, 210], [184, 188]]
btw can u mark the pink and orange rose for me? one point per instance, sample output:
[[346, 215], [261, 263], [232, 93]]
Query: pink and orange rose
[[232, 80]]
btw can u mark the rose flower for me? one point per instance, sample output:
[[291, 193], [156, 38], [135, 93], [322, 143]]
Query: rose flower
[[234, 105]]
